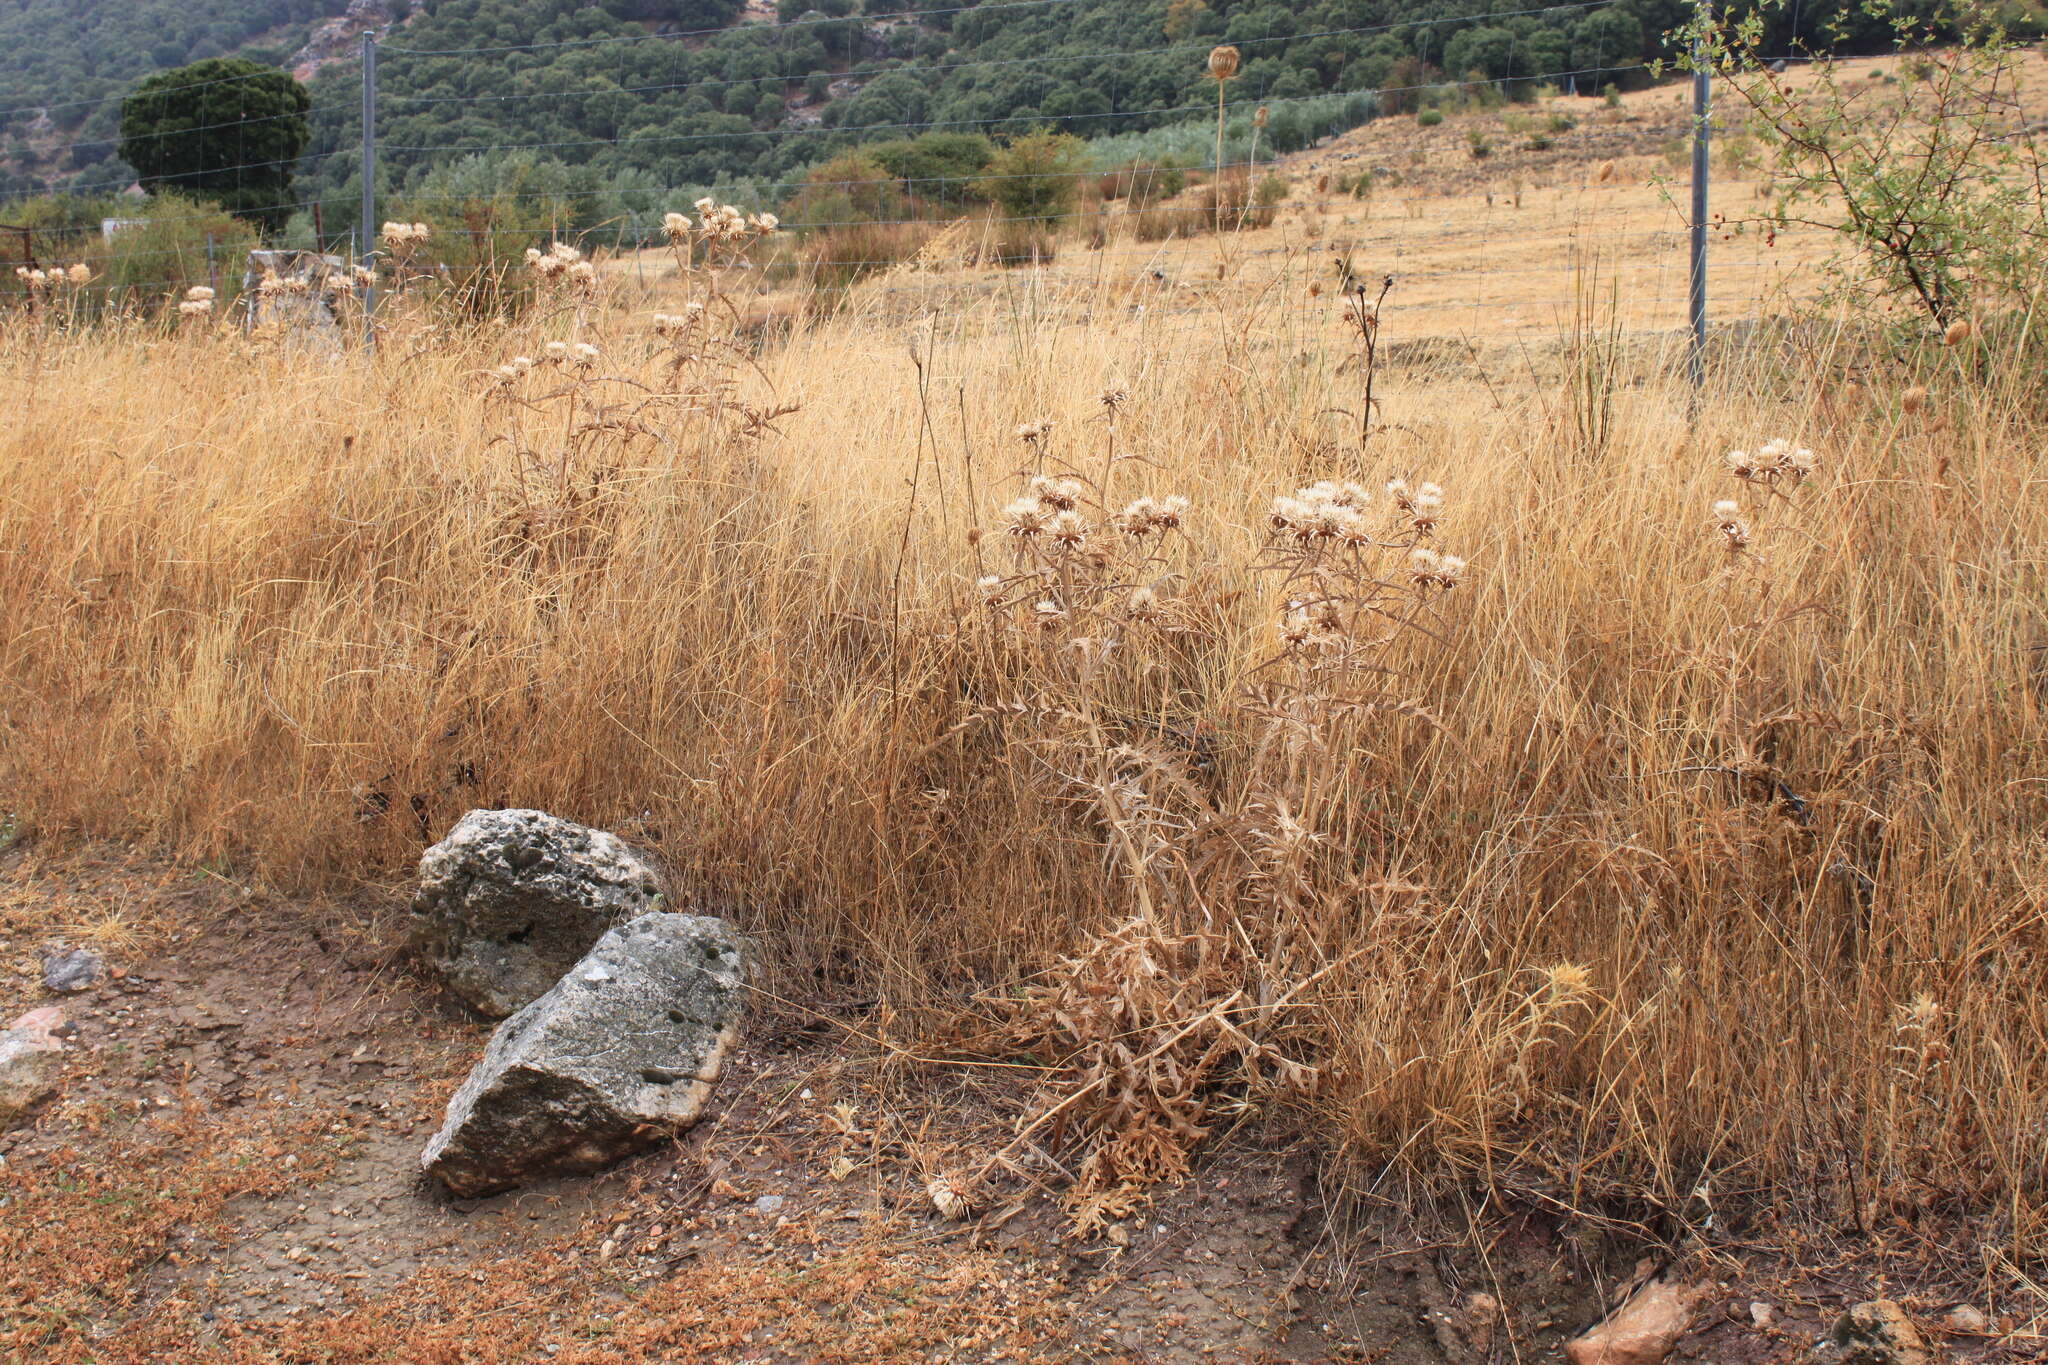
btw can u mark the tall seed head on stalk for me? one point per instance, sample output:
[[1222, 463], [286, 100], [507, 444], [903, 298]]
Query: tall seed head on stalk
[[1222, 66]]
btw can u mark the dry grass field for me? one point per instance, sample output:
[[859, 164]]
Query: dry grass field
[[1555, 838]]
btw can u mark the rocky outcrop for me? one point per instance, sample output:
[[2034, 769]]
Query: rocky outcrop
[[512, 898], [290, 291], [623, 1050], [339, 39], [30, 1057]]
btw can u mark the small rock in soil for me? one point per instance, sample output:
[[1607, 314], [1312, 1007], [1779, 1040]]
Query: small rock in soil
[[1966, 1320], [1874, 1333], [1640, 1332], [512, 898], [71, 971], [622, 1050], [30, 1056]]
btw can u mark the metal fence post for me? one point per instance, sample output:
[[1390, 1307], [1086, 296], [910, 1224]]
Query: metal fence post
[[368, 239], [1696, 292]]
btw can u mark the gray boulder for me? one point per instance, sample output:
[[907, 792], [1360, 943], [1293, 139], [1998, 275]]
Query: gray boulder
[[71, 971], [30, 1057], [512, 898], [623, 1050]]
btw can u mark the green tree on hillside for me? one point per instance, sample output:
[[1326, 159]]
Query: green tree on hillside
[[1036, 176], [226, 129]]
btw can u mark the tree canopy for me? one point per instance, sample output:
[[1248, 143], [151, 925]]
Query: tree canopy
[[226, 129]]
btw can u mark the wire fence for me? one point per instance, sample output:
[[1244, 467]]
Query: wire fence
[[1486, 239]]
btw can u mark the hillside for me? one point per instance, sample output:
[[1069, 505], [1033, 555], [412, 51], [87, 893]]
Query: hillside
[[62, 60], [616, 106], [685, 93], [639, 97]]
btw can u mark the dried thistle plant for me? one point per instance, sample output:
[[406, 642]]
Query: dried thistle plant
[[1195, 999], [705, 354]]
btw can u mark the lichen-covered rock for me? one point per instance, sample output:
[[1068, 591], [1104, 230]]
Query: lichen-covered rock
[[1874, 1333], [622, 1051], [512, 898], [70, 971], [30, 1057]]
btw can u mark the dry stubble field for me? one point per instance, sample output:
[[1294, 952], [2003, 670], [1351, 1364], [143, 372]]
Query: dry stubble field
[[1660, 876]]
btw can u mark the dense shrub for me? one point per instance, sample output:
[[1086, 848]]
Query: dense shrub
[[1037, 176], [1141, 183]]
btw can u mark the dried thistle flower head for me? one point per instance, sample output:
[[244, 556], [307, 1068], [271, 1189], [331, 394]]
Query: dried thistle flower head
[[1328, 511], [585, 353], [1025, 517], [1144, 605], [1142, 517], [1728, 521], [1958, 332], [1259, 117], [557, 351], [1114, 398], [1913, 401], [1425, 508], [405, 236], [1057, 495], [1773, 461], [79, 273], [1066, 531], [1428, 569], [949, 1197], [199, 293], [675, 226], [582, 274], [1305, 626], [1223, 63], [1031, 433], [764, 223]]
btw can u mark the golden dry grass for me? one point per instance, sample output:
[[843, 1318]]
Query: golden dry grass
[[1677, 879]]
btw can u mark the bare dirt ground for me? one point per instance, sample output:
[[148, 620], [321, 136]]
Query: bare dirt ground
[[229, 1172]]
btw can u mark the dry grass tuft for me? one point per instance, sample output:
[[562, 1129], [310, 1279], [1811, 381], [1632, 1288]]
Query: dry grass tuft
[[1601, 878]]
